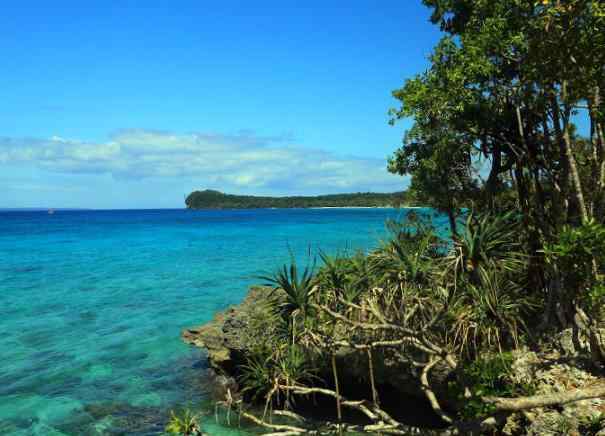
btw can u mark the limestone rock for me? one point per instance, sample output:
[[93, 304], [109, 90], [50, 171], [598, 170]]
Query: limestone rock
[[224, 337], [551, 374]]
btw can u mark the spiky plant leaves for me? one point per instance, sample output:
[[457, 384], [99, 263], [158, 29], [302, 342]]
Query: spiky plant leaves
[[286, 365], [298, 288], [488, 242], [490, 313], [184, 423], [360, 275], [256, 375], [333, 274], [409, 257], [344, 278]]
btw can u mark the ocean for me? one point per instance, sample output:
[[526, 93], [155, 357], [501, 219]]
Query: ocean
[[92, 304]]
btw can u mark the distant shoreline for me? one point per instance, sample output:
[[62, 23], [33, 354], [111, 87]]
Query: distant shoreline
[[365, 207], [210, 199]]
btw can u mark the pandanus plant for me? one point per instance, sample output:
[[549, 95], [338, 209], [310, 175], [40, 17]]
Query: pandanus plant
[[184, 423], [489, 242], [344, 277], [407, 258], [298, 289], [487, 275]]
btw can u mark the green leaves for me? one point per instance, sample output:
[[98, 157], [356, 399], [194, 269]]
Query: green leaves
[[489, 243], [578, 257], [184, 423], [487, 376], [256, 375], [287, 365], [488, 268], [298, 288], [346, 277], [410, 256], [578, 245]]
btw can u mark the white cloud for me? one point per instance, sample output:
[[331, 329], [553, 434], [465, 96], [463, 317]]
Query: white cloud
[[228, 162]]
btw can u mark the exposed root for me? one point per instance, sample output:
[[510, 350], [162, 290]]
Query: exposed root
[[372, 381], [289, 414], [430, 395], [336, 385]]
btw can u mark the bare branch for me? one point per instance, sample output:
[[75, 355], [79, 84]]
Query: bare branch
[[430, 395], [289, 414], [556, 399], [276, 427]]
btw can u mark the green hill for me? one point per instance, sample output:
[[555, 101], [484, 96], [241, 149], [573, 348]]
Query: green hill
[[209, 199]]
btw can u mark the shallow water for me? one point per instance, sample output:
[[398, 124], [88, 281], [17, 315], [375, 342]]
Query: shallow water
[[92, 304]]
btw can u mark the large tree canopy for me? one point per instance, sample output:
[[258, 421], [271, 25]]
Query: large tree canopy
[[507, 83], [510, 115]]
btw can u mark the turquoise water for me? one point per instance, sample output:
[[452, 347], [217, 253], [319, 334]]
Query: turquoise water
[[92, 304]]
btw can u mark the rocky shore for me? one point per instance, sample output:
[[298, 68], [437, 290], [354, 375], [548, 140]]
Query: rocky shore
[[556, 368], [227, 339]]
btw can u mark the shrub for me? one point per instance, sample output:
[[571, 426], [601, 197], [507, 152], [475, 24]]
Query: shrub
[[184, 423], [578, 257], [298, 288], [592, 425], [486, 376], [287, 365]]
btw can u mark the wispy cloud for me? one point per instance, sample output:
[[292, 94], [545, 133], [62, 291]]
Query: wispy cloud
[[238, 162]]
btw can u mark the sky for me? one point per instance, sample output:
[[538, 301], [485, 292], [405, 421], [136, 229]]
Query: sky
[[130, 104]]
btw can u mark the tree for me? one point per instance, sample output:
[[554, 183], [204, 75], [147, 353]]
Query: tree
[[506, 85]]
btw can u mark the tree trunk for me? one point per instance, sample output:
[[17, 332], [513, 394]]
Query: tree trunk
[[492, 180], [575, 174], [598, 152], [453, 225], [557, 204], [571, 160], [563, 175], [337, 389]]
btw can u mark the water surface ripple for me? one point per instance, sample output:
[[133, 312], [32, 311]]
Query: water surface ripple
[[92, 304]]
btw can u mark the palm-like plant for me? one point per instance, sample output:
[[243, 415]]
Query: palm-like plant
[[266, 324], [256, 375], [361, 276], [344, 277], [333, 273], [486, 315], [406, 259], [263, 373], [292, 366], [486, 272], [298, 288], [488, 243], [184, 423]]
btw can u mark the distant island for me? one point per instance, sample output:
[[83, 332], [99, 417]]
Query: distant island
[[210, 199]]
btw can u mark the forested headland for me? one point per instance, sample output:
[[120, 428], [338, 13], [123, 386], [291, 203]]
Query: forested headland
[[497, 328], [209, 199]]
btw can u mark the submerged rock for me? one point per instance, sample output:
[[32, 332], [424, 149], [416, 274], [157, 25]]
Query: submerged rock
[[124, 418]]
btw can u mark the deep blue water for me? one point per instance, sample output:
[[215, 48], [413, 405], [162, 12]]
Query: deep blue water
[[92, 304]]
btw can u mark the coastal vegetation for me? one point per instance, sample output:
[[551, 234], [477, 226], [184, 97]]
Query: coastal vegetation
[[209, 199], [508, 142]]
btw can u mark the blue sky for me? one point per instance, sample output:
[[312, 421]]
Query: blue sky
[[129, 104]]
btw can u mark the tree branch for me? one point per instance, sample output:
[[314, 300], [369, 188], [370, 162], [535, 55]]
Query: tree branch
[[430, 395], [556, 399]]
